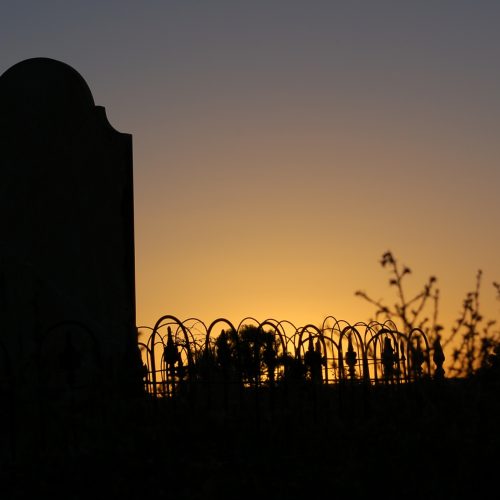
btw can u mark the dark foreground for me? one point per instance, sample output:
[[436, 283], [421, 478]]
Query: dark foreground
[[426, 440]]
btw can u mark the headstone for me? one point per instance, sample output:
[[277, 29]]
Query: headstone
[[66, 217]]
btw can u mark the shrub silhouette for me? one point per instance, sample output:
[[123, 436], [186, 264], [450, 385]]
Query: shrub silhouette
[[247, 356]]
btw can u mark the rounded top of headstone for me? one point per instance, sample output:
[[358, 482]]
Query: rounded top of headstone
[[42, 96], [46, 82]]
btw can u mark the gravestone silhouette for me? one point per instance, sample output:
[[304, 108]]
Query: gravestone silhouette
[[66, 215]]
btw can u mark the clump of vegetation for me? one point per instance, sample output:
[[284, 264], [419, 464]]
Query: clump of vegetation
[[472, 337], [252, 356], [247, 356]]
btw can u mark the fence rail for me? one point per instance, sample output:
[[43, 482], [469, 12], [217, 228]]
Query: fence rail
[[179, 353]]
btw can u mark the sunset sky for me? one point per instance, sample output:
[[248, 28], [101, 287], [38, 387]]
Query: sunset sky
[[281, 147]]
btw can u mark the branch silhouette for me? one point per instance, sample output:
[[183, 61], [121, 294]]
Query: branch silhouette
[[471, 336]]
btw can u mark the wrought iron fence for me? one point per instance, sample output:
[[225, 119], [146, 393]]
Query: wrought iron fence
[[243, 372], [177, 353], [182, 354]]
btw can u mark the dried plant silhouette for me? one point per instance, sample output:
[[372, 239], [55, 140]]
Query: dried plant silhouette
[[409, 312], [472, 338]]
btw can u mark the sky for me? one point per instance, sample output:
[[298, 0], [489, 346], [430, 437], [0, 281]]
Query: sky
[[281, 147]]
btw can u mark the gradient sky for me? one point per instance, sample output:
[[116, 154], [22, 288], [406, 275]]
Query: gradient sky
[[280, 147]]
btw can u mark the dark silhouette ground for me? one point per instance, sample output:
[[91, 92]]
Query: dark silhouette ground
[[425, 440]]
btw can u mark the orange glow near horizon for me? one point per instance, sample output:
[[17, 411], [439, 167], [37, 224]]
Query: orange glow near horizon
[[291, 228], [297, 245]]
